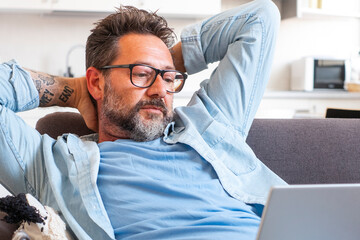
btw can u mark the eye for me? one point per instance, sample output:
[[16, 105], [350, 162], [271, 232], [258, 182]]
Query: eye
[[168, 80], [142, 72], [169, 77]]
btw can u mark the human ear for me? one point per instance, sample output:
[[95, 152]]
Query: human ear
[[95, 83]]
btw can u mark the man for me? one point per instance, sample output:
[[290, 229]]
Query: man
[[153, 173]]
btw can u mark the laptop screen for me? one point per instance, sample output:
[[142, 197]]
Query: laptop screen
[[306, 212]]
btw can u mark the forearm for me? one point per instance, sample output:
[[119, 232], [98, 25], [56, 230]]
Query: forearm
[[176, 52], [22, 89], [65, 92], [55, 90]]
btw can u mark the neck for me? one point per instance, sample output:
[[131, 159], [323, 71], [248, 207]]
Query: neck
[[108, 132]]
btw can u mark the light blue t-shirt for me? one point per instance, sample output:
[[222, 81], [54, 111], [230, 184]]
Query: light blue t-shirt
[[153, 190]]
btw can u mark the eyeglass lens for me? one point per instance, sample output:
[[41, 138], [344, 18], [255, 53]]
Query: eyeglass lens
[[143, 76]]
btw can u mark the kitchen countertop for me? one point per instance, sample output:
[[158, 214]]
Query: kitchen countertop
[[316, 94]]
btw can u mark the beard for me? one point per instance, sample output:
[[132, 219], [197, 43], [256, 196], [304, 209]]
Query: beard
[[130, 120]]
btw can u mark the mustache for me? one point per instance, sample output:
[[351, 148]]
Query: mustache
[[153, 102]]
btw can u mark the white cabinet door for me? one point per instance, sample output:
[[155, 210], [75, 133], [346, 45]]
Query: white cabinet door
[[183, 8], [320, 8], [167, 8], [85, 5], [25, 5]]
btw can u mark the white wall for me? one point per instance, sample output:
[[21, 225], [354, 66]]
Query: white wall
[[41, 41]]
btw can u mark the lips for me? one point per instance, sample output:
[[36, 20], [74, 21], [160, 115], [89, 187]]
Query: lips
[[155, 108], [153, 104]]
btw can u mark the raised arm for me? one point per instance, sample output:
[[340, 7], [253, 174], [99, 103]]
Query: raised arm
[[65, 92], [243, 41]]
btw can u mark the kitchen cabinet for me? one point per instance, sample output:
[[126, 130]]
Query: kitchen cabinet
[[320, 8], [25, 5], [183, 8], [90, 6], [167, 8]]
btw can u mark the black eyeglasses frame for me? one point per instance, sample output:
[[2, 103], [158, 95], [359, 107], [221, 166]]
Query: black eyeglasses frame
[[157, 72]]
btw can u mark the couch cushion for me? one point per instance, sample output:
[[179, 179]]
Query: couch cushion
[[58, 123], [305, 151]]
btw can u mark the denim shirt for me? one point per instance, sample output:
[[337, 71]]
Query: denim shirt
[[62, 173]]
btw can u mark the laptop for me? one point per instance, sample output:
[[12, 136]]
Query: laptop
[[312, 212]]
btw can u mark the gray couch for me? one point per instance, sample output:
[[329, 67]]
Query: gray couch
[[301, 151]]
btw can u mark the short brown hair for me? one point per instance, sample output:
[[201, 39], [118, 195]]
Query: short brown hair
[[102, 44]]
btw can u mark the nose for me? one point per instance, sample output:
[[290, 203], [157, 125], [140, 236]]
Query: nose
[[158, 88]]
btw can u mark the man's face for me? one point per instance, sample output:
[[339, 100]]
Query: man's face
[[141, 113]]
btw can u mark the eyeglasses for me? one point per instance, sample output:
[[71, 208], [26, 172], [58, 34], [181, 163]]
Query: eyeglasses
[[143, 76]]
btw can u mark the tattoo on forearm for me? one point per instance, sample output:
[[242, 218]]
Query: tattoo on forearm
[[50, 89], [66, 94], [48, 80], [46, 97], [38, 85], [41, 78]]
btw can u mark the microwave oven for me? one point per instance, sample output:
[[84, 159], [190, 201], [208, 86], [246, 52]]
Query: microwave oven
[[310, 73]]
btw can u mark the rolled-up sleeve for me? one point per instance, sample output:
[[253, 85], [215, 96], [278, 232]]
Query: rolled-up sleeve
[[17, 90], [21, 158]]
